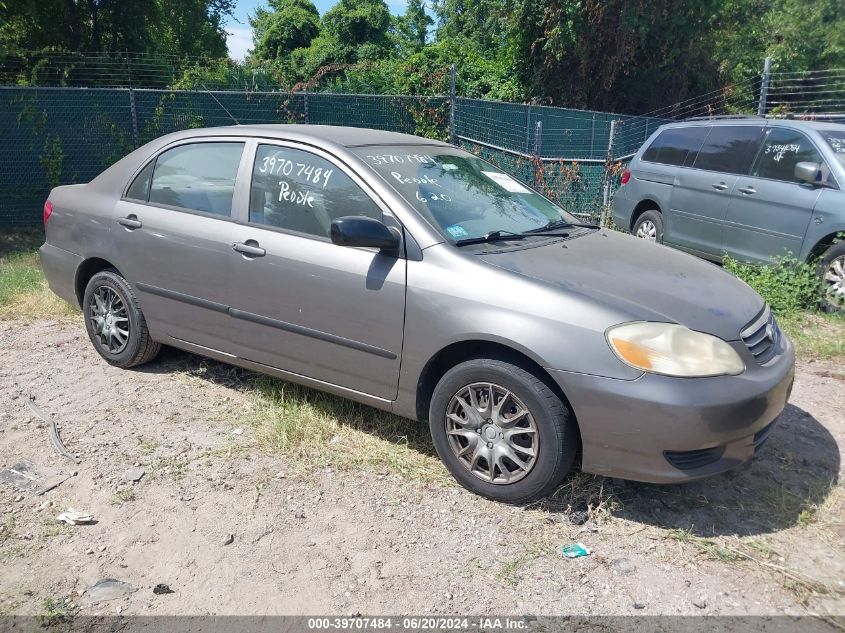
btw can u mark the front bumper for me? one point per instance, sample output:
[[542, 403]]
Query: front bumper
[[660, 429]]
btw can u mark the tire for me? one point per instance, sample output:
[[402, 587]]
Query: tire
[[831, 270], [555, 440], [108, 288], [649, 226]]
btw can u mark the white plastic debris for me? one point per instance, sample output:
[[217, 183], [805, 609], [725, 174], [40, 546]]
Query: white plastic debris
[[74, 517]]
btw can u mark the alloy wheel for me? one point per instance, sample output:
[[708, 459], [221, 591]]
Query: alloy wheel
[[834, 278], [110, 320], [492, 433]]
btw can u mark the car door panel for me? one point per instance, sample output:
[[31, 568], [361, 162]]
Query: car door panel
[[178, 258], [702, 191], [770, 210], [302, 303], [320, 310]]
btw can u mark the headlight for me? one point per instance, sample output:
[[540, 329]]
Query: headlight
[[673, 350]]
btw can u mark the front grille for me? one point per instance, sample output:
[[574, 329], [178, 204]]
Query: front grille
[[762, 336], [687, 460]]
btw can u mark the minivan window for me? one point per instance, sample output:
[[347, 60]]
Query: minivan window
[[781, 150], [836, 140], [140, 187], [299, 191], [198, 177], [676, 146], [729, 148]]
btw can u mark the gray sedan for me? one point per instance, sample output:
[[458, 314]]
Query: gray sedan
[[412, 276]]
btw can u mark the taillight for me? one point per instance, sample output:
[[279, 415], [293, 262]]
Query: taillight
[[626, 176], [48, 211]]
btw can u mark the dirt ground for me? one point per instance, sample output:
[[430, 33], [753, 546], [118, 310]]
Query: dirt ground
[[766, 539]]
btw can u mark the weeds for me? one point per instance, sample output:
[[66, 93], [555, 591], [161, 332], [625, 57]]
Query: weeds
[[319, 429], [788, 284], [55, 612], [707, 546], [124, 495]]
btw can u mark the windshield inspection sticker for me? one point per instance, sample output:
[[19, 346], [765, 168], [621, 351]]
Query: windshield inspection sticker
[[449, 167], [456, 231], [505, 182]]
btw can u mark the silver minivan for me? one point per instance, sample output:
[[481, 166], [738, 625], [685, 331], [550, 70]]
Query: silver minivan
[[751, 188]]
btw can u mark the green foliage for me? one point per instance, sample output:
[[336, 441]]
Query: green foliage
[[174, 27], [412, 27], [291, 24], [788, 284], [53, 160]]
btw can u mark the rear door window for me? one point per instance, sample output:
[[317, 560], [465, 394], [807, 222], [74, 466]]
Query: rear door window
[[197, 177], [676, 146], [729, 148], [781, 151]]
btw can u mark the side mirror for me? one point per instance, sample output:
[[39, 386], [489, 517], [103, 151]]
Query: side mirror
[[806, 171], [363, 231]]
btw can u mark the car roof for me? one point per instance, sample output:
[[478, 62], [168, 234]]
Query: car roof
[[751, 120], [322, 134]]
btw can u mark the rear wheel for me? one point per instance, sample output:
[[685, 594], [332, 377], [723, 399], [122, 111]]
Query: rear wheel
[[832, 272], [115, 324], [502, 431], [649, 226]]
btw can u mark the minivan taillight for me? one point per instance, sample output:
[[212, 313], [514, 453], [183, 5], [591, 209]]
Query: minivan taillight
[[48, 211], [626, 176]]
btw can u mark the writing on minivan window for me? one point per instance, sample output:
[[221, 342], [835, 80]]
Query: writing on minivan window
[[282, 166], [780, 151]]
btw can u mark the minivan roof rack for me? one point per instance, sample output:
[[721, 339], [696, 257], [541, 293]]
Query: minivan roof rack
[[724, 116]]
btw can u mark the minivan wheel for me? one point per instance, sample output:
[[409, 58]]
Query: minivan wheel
[[115, 324], [832, 272], [649, 226], [502, 432]]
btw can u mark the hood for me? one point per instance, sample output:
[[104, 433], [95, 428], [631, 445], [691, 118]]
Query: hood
[[644, 280]]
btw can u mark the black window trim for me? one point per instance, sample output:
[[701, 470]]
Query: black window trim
[[342, 166], [232, 217], [808, 138]]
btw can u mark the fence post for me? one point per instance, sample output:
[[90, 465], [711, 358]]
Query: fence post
[[764, 87], [528, 129], [608, 162], [453, 102], [134, 113], [305, 104], [538, 139]]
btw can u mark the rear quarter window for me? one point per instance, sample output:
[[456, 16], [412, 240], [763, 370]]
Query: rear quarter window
[[676, 146]]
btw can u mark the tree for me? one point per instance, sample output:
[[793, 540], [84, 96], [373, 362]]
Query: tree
[[291, 24], [412, 27], [177, 27], [356, 22]]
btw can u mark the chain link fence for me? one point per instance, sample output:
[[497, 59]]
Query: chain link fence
[[61, 135]]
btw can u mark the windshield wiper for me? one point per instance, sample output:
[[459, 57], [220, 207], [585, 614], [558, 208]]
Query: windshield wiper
[[492, 236], [562, 224], [497, 236]]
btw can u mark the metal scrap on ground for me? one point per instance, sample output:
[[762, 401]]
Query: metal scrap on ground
[[55, 438]]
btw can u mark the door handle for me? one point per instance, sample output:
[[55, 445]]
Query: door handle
[[719, 185], [131, 222], [250, 248], [747, 190]]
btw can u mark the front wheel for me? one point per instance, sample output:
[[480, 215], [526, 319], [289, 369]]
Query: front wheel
[[501, 430], [832, 272]]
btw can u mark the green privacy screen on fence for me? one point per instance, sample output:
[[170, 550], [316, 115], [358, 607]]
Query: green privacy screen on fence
[[52, 136]]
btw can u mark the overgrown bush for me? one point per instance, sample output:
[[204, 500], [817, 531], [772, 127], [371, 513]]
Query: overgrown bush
[[787, 284]]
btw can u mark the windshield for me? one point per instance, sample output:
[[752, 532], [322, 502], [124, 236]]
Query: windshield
[[464, 196], [836, 140]]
